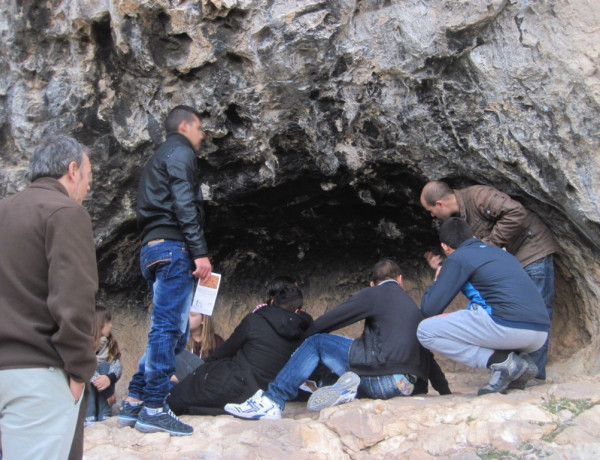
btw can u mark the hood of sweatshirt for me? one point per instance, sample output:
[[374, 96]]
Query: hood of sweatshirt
[[286, 323]]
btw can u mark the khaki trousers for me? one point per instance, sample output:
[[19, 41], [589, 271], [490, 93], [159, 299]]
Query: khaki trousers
[[37, 414]]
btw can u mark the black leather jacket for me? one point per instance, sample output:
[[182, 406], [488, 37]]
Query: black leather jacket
[[169, 201]]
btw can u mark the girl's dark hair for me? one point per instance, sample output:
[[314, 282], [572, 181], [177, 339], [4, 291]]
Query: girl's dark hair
[[278, 283], [289, 298]]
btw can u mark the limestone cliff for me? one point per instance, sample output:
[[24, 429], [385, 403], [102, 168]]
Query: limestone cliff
[[324, 119]]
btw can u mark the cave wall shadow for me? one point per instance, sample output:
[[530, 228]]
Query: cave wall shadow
[[327, 241]]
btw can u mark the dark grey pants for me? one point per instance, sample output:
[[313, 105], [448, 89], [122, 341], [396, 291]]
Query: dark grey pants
[[186, 362]]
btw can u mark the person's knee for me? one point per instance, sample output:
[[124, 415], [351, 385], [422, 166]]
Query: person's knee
[[314, 341], [424, 334], [314, 338]]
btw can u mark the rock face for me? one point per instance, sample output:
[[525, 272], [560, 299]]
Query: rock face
[[323, 119], [553, 421]]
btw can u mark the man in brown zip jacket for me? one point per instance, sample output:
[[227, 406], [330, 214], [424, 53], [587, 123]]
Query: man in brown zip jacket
[[48, 281], [497, 219]]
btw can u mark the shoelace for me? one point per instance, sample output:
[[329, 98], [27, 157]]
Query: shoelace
[[169, 412]]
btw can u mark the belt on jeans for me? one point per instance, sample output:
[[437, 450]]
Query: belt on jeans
[[151, 242]]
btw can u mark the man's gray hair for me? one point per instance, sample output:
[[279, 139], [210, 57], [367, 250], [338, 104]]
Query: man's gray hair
[[53, 155]]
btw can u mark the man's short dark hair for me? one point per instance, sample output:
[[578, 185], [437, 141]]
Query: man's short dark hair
[[385, 269], [179, 114], [434, 191], [277, 283], [53, 155], [288, 298], [455, 231]]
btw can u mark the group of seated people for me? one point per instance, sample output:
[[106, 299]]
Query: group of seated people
[[278, 347]]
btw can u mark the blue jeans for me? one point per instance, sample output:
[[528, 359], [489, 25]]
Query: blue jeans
[[329, 349], [167, 266], [98, 407], [542, 274], [382, 387]]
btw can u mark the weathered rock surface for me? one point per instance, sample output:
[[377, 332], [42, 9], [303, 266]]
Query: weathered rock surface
[[323, 119], [555, 421], [323, 122]]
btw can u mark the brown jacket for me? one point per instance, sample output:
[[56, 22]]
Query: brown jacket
[[48, 281], [497, 219]]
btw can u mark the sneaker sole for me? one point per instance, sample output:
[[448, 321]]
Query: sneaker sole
[[518, 377], [344, 390], [126, 421], [251, 417], [329, 397], [347, 381], [256, 417], [530, 372], [147, 428]]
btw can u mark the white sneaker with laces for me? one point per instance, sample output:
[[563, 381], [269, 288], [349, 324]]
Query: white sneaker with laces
[[342, 391], [257, 407]]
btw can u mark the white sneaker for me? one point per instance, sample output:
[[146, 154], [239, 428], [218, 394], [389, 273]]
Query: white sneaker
[[256, 407], [342, 391]]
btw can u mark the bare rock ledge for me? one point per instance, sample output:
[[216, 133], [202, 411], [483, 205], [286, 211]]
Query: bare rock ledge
[[558, 420]]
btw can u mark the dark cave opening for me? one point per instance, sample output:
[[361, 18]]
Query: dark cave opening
[[313, 234], [326, 233], [307, 227]]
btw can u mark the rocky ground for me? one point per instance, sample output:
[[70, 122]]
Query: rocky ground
[[557, 420]]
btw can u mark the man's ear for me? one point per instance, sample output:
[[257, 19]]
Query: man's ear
[[399, 280], [183, 127], [371, 283], [447, 249], [72, 170]]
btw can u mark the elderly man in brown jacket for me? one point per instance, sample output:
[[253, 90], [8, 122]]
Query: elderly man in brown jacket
[[497, 219], [48, 281]]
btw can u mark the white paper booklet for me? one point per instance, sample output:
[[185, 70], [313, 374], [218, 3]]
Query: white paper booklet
[[206, 295]]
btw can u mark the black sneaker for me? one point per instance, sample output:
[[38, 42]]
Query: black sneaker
[[530, 372], [128, 414], [165, 421], [501, 374]]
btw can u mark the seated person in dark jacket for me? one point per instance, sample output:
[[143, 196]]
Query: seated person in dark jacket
[[253, 355], [506, 317], [385, 361]]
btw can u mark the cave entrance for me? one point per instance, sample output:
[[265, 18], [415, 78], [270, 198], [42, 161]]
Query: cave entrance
[[327, 235]]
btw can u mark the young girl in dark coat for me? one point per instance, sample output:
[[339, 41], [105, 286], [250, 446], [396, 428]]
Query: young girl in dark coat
[[102, 384]]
